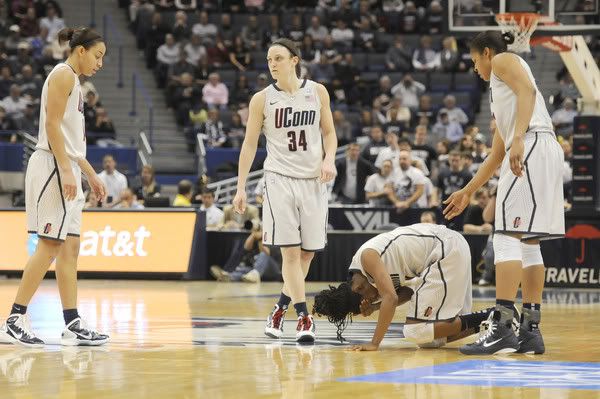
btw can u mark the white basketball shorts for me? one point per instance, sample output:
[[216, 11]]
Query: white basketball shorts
[[49, 215]]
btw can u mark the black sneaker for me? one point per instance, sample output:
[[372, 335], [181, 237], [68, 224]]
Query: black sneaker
[[531, 341], [17, 330], [77, 333], [499, 338]]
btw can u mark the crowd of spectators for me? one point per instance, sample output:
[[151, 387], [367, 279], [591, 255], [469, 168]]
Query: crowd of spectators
[[29, 49]]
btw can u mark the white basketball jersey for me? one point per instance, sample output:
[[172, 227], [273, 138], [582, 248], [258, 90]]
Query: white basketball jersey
[[73, 121], [503, 103], [405, 251], [292, 128]]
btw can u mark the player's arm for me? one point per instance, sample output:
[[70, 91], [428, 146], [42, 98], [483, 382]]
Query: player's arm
[[508, 68], [372, 264], [60, 86], [249, 146], [328, 170]]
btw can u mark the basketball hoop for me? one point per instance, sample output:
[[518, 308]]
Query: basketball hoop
[[521, 25]]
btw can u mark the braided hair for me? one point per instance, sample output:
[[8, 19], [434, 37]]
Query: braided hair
[[338, 304]]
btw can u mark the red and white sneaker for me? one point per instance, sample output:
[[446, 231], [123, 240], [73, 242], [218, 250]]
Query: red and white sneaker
[[274, 327], [305, 331]]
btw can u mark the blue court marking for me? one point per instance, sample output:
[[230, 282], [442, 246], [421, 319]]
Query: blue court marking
[[499, 373]]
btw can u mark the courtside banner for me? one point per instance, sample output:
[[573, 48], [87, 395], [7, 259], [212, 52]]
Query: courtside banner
[[111, 241]]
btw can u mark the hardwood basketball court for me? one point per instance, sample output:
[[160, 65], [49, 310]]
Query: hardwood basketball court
[[205, 340]]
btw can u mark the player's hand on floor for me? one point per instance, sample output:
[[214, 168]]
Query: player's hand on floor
[[69, 186], [456, 203], [364, 347], [239, 202]]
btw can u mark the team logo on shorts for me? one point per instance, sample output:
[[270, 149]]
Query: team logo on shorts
[[47, 228], [428, 311], [517, 222]]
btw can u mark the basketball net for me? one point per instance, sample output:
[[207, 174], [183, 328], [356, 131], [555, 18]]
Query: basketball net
[[522, 25]]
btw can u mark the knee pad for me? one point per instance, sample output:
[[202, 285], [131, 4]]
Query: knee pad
[[419, 333], [507, 248], [532, 255]]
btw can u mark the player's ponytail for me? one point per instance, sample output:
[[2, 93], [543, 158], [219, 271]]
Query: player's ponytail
[[85, 37], [292, 48], [492, 39], [338, 304]]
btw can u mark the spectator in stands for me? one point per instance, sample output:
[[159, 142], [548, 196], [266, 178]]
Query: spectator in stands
[[435, 18], [14, 104], [29, 24], [428, 217], [349, 184], [6, 81], [409, 183], [203, 70], [262, 81], [397, 57], [369, 10], [184, 194], [235, 132], [342, 36], [409, 18], [164, 5], [218, 56], [455, 114], [563, 117], [214, 130], [103, 124], [206, 30], [147, 186], [467, 161], [241, 94], [404, 144], [409, 90], [239, 55], [167, 55], [447, 129], [453, 178], [252, 34], [398, 114], [376, 144], [317, 31], [52, 22], [391, 152], [344, 11], [200, 186], [450, 58], [30, 121], [214, 215], [308, 51], [365, 38], [466, 144], [568, 89], [23, 57], [215, 94], [425, 110], [480, 152], [378, 113], [181, 30], [296, 30], [89, 109], [343, 128], [87, 86], [328, 49], [323, 71], [346, 71], [114, 181], [234, 221], [380, 186], [226, 31], [473, 221], [384, 92], [91, 201], [7, 124], [12, 41], [425, 58], [128, 200], [154, 37], [30, 84], [194, 50], [274, 32], [421, 148], [442, 148], [174, 76]]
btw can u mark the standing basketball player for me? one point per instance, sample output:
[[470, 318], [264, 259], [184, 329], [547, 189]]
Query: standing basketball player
[[54, 197], [529, 202], [301, 144]]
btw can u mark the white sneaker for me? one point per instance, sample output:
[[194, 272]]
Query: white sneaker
[[274, 327], [77, 333], [17, 330], [305, 331], [253, 276]]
